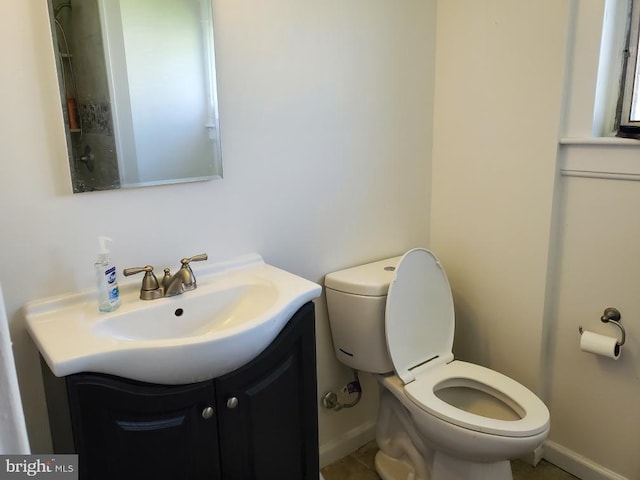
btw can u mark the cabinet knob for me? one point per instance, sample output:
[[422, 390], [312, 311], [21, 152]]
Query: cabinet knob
[[207, 413], [232, 402]]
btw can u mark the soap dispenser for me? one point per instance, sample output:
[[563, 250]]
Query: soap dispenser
[[108, 293]]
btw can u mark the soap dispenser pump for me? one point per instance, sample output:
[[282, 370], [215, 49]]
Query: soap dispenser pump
[[108, 292]]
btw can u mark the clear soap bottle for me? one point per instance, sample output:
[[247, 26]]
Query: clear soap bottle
[[108, 293]]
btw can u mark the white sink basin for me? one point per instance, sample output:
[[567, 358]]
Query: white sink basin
[[237, 310], [191, 315]]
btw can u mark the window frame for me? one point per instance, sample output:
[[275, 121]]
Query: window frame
[[630, 82]]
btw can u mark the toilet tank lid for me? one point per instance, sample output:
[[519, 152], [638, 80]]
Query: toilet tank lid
[[371, 279]]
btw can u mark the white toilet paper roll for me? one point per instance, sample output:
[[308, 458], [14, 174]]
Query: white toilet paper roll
[[600, 345]]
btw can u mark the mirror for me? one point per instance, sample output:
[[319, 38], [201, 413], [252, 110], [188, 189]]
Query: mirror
[[138, 89]]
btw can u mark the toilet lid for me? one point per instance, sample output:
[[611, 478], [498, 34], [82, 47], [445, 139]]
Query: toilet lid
[[419, 315], [533, 413]]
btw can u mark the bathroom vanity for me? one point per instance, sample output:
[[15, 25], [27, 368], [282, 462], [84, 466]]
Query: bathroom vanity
[[257, 422], [216, 383]]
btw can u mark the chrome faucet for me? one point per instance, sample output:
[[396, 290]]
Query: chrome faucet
[[183, 281]]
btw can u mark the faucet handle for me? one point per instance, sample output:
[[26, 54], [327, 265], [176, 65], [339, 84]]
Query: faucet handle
[[150, 289], [195, 258], [188, 278]]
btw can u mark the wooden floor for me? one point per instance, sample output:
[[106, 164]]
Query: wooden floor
[[359, 466]]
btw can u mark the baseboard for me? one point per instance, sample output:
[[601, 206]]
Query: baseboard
[[533, 458], [347, 443], [576, 464]]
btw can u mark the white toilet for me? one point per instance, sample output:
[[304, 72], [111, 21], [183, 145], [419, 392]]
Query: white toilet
[[439, 418]]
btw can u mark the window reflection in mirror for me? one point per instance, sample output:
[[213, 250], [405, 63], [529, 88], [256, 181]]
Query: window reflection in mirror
[[138, 88]]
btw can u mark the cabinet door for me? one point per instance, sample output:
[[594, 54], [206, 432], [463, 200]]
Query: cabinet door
[[268, 414], [130, 430]]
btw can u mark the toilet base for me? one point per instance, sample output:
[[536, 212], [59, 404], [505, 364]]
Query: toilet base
[[390, 468], [443, 468], [449, 468], [405, 454]]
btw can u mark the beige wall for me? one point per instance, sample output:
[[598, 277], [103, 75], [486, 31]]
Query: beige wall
[[532, 254], [499, 85], [594, 400], [326, 120]]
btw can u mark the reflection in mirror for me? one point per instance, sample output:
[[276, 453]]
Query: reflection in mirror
[[138, 87]]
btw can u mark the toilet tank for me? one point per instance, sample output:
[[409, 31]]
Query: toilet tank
[[356, 300]]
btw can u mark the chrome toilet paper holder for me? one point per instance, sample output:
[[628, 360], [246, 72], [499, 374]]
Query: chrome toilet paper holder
[[612, 315]]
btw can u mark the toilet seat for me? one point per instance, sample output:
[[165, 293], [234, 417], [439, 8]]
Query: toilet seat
[[419, 314], [419, 329], [533, 412]]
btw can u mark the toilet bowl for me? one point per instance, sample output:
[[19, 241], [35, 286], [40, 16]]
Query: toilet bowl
[[439, 418]]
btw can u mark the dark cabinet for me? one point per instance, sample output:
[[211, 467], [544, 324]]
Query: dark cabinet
[[268, 422], [124, 429], [259, 422]]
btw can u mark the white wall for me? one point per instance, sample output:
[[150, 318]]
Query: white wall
[[594, 400], [532, 255], [327, 135], [326, 117], [499, 86]]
